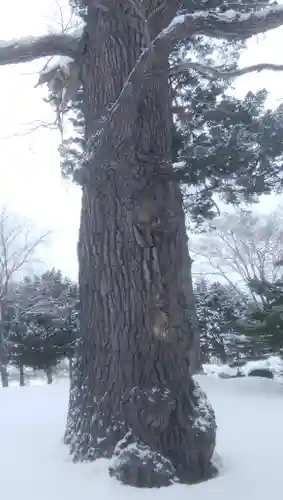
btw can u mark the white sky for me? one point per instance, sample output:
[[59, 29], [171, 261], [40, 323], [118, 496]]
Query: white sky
[[30, 180]]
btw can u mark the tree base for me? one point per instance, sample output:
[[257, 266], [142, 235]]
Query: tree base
[[156, 437]]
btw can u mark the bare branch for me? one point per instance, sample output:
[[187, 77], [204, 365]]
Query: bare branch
[[31, 128], [244, 245], [61, 22], [18, 245], [216, 73], [29, 48]]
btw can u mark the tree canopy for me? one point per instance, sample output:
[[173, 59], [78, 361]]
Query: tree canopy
[[222, 146], [219, 309]]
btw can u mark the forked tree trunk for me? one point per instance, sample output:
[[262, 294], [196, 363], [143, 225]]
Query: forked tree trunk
[[132, 395]]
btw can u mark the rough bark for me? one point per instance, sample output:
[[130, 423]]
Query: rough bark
[[132, 396]]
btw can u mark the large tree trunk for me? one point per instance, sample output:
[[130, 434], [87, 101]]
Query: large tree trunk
[[132, 394]]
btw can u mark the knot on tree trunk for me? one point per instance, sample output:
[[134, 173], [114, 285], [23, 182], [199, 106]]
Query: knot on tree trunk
[[147, 411], [160, 323], [170, 437]]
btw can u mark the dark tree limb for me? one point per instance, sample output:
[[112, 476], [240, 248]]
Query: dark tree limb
[[29, 48], [229, 25]]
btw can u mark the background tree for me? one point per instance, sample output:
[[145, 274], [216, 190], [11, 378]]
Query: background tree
[[219, 309], [18, 246], [243, 246], [138, 338], [43, 321], [265, 326], [230, 150]]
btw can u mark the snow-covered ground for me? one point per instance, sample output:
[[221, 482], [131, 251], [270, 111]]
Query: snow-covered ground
[[34, 463], [272, 363]]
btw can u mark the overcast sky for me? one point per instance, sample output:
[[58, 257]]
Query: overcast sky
[[30, 180]]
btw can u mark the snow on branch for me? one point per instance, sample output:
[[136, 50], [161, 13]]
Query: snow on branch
[[229, 25], [29, 48], [214, 73]]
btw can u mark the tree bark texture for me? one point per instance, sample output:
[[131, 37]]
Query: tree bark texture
[[132, 396]]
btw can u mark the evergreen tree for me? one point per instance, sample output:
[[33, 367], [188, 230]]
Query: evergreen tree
[[219, 308], [43, 320], [265, 328], [72, 148]]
